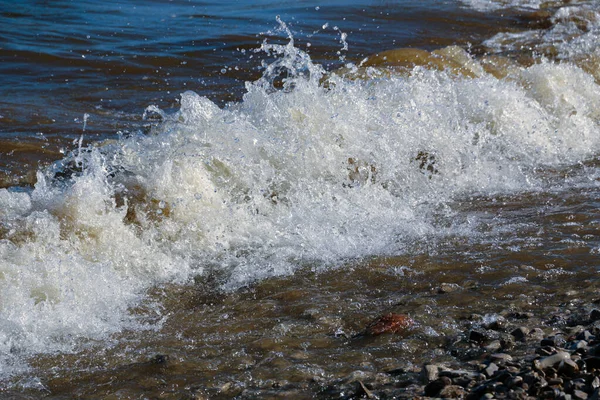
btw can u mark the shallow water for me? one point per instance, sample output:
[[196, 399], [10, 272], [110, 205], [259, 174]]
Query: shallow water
[[250, 241]]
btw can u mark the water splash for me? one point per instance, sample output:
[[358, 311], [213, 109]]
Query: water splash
[[309, 170]]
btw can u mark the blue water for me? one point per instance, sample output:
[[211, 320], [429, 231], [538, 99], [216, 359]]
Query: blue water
[[110, 59]]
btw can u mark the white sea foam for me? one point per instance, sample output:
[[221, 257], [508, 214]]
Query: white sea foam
[[303, 174], [494, 5], [574, 34]]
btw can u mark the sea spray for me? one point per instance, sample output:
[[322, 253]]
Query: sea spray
[[309, 170]]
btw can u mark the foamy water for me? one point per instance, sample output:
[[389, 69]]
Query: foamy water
[[309, 169]]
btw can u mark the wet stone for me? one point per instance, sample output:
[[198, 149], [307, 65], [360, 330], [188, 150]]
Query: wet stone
[[552, 360], [389, 323], [455, 373], [477, 336], [507, 343], [555, 341], [490, 370], [514, 381], [555, 382], [536, 334], [585, 335], [500, 357], [435, 387], [499, 324], [448, 288], [521, 315], [464, 381], [575, 384], [568, 367], [580, 395], [578, 344], [493, 346], [520, 333], [595, 315], [452, 392], [546, 351], [356, 376], [429, 373]]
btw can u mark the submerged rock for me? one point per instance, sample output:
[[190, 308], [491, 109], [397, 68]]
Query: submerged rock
[[389, 323]]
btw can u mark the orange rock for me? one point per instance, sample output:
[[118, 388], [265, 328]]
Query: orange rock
[[389, 323]]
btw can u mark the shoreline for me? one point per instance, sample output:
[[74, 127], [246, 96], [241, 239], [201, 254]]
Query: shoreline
[[495, 346]]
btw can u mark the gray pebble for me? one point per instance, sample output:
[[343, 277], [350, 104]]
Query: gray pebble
[[490, 370], [552, 360], [429, 373], [580, 395], [501, 357], [494, 345], [536, 334]]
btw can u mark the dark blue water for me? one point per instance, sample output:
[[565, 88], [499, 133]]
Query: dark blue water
[[62, 59]]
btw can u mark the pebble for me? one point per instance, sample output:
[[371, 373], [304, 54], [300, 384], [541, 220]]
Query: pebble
[[552, 360], [456, 373], [493, 346], [490, 370], [520, 333], [585, 335], [452, 392], [536, 334], [521, 315], [499, 324], [554, 341], [429, 373], [434, 388], [448, 288], [477, 336], [501, 357], [515, 381], [568, 367], [580, 395]]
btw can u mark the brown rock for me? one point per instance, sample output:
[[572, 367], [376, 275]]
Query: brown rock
[[389, 323], [568, 367], [452, 392]]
